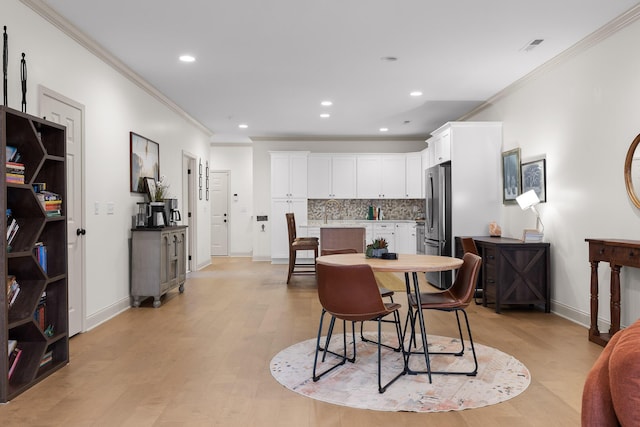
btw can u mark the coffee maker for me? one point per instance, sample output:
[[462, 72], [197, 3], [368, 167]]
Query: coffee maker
[[157, 215], [171, 212]]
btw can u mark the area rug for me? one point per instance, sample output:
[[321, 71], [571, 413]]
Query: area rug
[[500, 377]]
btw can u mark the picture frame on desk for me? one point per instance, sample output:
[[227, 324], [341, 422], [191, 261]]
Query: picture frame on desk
[[534, 177], [145, 161], [511, 179]]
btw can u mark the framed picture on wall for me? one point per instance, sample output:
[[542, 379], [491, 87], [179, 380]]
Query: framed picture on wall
[[534, 177], [511, 183], [145, 161]]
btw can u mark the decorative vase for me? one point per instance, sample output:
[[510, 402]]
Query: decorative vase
[[377, 253]]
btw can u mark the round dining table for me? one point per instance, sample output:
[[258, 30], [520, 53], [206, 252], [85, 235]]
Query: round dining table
[[407, 264]]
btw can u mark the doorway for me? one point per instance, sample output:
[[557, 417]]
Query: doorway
[[189, 205], [220, 213], [60, 109]]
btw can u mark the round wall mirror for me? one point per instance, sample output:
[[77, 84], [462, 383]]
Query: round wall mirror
[[632, 172]]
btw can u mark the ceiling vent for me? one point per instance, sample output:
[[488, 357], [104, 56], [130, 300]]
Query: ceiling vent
[[532, 45]]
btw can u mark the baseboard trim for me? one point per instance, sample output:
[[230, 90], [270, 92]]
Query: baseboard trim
[[107, 313]]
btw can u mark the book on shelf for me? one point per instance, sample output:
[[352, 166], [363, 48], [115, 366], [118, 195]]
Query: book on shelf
[[46, 358], [11, 345], [40, 315], [40, 251], [13, 361], [51, 202], [13, 289], [532, 236], [14, 169]]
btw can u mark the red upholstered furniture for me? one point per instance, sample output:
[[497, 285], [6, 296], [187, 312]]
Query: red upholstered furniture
[[611, 395]]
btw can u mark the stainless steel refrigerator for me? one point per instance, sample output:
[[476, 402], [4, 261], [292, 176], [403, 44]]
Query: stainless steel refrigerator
[[438, 238]]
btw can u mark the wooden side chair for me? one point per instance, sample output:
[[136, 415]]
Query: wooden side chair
[[456, 299], [350, 293], [300, 244], [469, 245], [384, 293]]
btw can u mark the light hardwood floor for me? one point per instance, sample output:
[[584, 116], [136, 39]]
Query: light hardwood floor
[[202, 359]]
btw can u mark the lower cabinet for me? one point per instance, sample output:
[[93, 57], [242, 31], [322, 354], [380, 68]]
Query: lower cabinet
[[158, 262], [513, 272]]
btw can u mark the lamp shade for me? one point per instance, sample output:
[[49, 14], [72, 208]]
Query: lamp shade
[[528, 200]]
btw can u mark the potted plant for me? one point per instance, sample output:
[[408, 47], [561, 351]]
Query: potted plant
[[377, 248]]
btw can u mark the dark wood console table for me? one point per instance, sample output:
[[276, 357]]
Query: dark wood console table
[[617, 253], [513, 272]]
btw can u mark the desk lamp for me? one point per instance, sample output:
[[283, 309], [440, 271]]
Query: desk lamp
[[529, 200]]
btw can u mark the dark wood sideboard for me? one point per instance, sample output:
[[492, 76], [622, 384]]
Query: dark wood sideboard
[[513, 272], [618, 253]]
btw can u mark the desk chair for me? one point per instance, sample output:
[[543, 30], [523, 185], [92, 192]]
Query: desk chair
[[300, 244], [350, 293], [455, 299]]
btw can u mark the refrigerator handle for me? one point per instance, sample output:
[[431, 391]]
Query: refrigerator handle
[[431, 204]]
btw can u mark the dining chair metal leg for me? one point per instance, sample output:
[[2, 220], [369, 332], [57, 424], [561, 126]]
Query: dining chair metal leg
[[396, 320], [326, 350], [381, 388], [343, 360]]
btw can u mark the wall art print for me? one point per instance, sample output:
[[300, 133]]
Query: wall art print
[[534, 177], [145, 161], [511, 184]]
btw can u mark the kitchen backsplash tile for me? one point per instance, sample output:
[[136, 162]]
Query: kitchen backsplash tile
[[349, 209]]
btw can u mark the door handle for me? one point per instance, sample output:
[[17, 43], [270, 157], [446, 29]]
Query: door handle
[[81, 231]]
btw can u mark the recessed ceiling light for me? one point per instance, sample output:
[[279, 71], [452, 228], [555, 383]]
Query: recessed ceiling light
[[389, 58], [326, 103], [243, 126], [416, 93], [325, 115], [384, 129], [187, 58]]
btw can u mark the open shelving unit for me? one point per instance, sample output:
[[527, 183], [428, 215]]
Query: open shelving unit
[[44, 343]]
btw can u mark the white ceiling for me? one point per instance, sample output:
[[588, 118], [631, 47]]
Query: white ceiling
[[269, 63]]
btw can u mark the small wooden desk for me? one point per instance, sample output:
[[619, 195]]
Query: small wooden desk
[[406, 263], [617, 253]]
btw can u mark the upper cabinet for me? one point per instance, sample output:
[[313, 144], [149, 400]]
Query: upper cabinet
[[381, 176], [289, 174], [441, 142], [331, 176], [414, 176]]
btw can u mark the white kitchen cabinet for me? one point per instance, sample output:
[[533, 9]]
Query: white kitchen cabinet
[[441, 145], [331, 176], [386, 231], [279, 232], [381, 176], [289, 174], [405, 237], [414, 176]]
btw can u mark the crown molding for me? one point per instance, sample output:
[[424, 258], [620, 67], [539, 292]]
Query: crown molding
[[609, 29], [94, 47]]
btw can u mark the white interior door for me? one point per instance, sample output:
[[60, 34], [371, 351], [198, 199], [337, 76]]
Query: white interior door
[[219, 213], [58, 109], [188, 204]]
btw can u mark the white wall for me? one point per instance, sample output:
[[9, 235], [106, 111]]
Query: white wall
[[237, 160], [114, 106], [582, 113]]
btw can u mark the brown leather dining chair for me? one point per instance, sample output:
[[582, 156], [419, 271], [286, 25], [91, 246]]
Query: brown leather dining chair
[[300, 244], [384, 293], [457, 298], [469, 245], [350, 293]]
